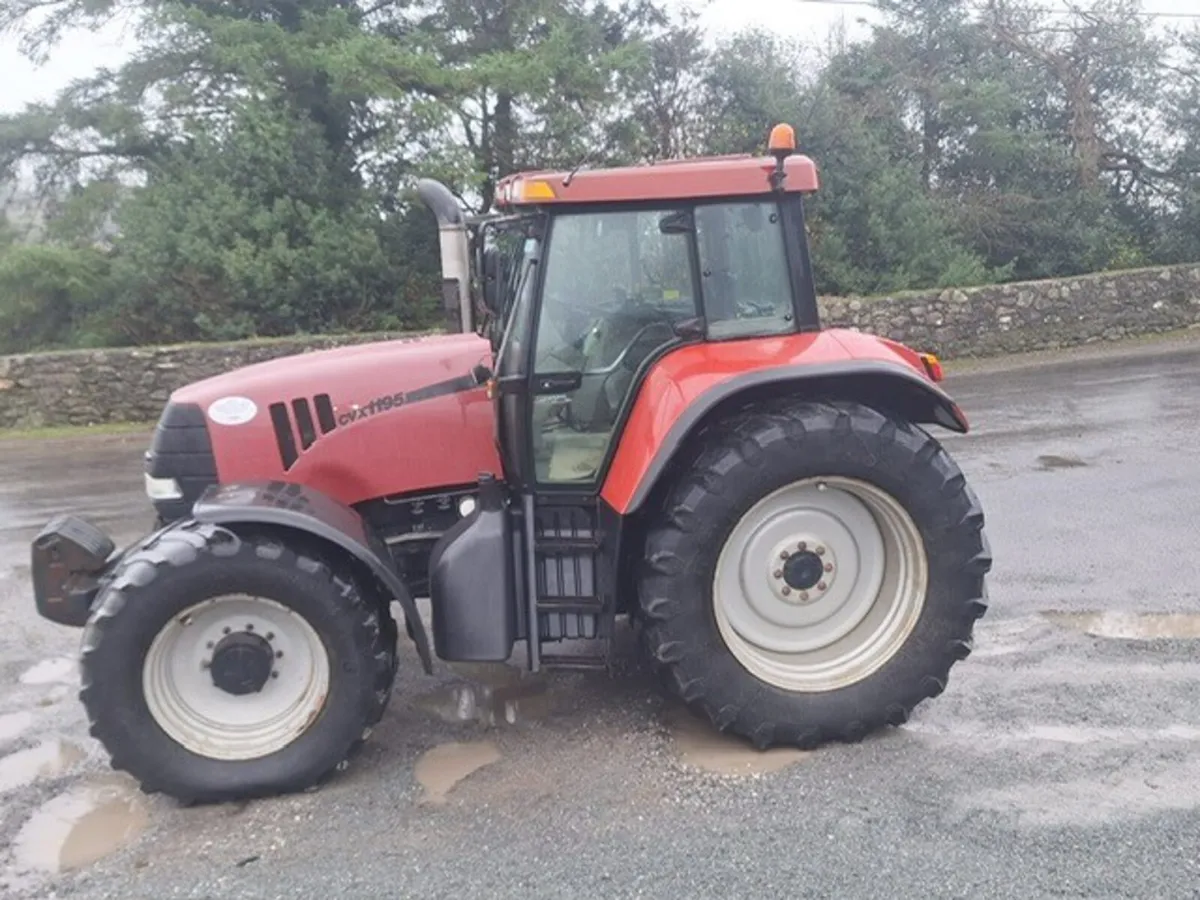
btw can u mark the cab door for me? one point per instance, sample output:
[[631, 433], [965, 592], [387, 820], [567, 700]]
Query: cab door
[[514, 371], [618, 287]]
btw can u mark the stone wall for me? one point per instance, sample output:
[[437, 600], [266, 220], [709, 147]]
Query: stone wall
[[131, 385], [90, 387], [1039, 315]]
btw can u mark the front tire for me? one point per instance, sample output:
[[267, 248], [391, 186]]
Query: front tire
[[217, 666], [813, 574]]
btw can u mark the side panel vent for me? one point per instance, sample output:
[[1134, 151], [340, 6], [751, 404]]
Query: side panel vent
[[283, 434], [302, 426], [325, 413], [304, 419]]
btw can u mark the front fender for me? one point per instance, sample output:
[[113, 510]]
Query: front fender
[[681, 393], [308, 510]]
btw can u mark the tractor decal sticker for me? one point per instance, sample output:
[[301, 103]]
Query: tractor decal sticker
[[388, 402], [233, 411]]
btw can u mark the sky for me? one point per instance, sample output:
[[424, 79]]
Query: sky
[[81, 53]]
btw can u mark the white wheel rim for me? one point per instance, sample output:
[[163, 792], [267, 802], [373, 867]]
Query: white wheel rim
[[178, 685], [871, 574]]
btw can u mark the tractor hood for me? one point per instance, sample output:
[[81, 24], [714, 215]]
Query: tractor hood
[[350, 375], [361, 422]]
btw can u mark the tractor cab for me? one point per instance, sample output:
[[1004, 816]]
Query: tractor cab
[[582, 279]]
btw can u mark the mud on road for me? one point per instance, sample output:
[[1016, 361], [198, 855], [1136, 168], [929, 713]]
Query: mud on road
[[1063, 760]]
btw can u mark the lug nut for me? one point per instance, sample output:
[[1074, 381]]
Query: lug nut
[[226, 630], [778, 573], [279, 654], [206, 664], [822, 586], [786, 590], [803, 546], [274, 674], [250, 627], [270, 635], [783, 555], [804, 596], [820, 551], [210, 645]]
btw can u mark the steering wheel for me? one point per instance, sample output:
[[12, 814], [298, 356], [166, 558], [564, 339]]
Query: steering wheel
[[598, 394]]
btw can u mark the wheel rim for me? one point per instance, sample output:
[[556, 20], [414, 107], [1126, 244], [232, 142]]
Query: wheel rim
[[221, 641], [819, 584]]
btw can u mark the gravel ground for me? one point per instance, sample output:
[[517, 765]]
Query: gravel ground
[[1063, 760]]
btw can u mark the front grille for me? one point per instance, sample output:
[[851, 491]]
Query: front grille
[[181, 449], [295, 429]]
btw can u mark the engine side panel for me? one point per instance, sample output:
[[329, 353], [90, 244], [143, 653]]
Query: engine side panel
[[688, 381], [355, 423]]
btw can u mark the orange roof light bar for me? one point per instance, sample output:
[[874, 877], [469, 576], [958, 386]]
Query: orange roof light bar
[[783, 139]]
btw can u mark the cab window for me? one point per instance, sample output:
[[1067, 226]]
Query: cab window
[[616, 284], [744, 266]]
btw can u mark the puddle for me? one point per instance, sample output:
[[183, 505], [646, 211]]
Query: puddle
[[13, 725], [81, 826], [703, 747], [59, 670], [1131, 626], [1061, 462], [441, 769], [48, 760], [491, 694]]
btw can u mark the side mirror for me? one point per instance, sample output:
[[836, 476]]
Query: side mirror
[[494, 279]]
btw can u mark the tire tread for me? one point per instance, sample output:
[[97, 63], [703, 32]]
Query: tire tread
[[186, 545], [745, 440]]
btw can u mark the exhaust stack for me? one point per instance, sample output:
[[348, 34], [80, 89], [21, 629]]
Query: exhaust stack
[[455, 251]]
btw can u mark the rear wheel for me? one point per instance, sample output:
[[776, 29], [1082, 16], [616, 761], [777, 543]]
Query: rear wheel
[[815, 573], [217, 666]]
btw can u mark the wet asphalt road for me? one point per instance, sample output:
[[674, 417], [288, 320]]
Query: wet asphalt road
[[1063, 760]]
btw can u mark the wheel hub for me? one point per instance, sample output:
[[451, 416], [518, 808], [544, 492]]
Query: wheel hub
[[819, 583], [803, 571], [241, 663]]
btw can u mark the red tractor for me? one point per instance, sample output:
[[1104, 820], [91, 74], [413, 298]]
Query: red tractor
[[642, 417]]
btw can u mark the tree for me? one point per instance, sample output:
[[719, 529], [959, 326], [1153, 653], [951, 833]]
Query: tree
[[272, 145]]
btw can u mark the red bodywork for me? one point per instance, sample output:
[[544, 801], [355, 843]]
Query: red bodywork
[[680, 378], [445, 441], [718, 176]]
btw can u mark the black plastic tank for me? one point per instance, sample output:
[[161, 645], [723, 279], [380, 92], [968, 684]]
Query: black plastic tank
[[472, 584]]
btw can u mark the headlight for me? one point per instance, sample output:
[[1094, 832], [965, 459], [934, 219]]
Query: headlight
[[163, 488]]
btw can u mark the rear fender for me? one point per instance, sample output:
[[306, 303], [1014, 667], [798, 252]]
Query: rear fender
[[885, 385], [303, 509]]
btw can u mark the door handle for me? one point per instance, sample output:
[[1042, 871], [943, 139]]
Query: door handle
[[557, 383]]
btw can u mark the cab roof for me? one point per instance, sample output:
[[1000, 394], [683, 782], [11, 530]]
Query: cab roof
[[687, 179]]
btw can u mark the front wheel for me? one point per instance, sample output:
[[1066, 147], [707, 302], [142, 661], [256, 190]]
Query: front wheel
[[218, 666], [814, 574]]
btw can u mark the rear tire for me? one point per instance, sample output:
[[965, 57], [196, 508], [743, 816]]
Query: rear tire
[[813, 574], [218, 667]]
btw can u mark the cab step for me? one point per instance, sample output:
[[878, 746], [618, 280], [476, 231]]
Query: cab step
[[569, 595], [570, 662]]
